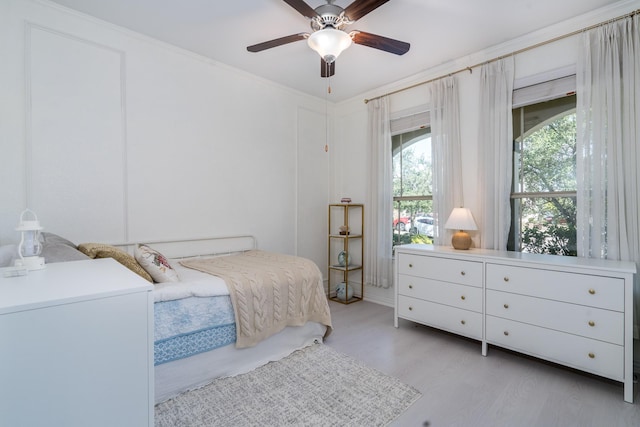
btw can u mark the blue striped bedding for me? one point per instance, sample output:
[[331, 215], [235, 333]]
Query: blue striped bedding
[[191, 316], [193, 325]]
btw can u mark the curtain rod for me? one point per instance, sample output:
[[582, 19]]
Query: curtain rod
[[470, 68]]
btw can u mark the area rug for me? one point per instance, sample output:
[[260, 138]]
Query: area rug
[[315, 386]]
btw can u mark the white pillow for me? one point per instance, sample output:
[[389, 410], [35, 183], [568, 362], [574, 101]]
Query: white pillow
[[155, 264]]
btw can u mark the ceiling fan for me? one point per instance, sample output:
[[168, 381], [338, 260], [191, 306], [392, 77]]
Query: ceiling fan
[[329, 38]]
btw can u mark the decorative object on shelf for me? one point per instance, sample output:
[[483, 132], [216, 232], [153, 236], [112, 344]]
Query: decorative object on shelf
[[344, 259], [461, 219], [30, 247], [344, 292], [344, 230], [345, 200]]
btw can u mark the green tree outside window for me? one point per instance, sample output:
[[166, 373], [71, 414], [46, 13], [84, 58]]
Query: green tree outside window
[[544, 178]]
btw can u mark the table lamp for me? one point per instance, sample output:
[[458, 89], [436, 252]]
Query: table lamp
[[461, 219]]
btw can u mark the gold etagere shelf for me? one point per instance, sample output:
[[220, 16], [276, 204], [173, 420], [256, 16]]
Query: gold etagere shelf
[[346, 234]]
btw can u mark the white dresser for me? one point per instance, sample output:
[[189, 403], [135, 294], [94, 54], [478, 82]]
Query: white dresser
[[76, 344], [574, 311]]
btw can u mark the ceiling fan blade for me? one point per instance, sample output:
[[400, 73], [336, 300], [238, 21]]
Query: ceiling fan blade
[[379, 42], [359, 8], [327, 70], [277, 42], [302, 8]]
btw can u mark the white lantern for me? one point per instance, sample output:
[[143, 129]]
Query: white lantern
[[30, 247]]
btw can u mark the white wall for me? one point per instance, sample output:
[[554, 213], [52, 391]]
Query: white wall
[[114, 137], [349, 167]]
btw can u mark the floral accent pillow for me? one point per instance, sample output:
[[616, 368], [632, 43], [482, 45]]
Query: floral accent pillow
[[155, 264]]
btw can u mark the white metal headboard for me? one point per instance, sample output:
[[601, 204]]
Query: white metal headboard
[[205, 246]]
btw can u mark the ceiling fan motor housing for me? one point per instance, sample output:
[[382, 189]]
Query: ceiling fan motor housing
[[329, 15]]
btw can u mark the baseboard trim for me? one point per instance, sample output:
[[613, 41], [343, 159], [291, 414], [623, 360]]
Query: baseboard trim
[[382, 296]]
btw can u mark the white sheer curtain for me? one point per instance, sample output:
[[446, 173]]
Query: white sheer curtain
[[608, 120], [445, 152], [495, 145], [379, 203]]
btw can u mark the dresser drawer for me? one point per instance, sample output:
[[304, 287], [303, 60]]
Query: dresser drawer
[[461, 296], [463, 322], [594, 291], [593, 356], [590, 322], [445, 269]]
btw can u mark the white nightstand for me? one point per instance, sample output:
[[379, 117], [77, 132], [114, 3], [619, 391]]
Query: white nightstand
[[76, 346]]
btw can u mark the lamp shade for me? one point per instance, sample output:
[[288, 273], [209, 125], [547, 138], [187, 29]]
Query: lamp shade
[[461, 219], [329, 43]]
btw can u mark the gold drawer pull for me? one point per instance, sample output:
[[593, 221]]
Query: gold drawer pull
[[592, 291], [506, 279], [592, 323], [462, 297], [592, 356], [506, 306], [463, 273], [410, 265], [410, 308], [506, 333], [463, 322]]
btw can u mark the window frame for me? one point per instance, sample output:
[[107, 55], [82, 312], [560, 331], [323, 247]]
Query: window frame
[[537, 94], [402, 125]]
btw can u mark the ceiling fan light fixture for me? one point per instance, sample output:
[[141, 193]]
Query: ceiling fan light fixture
[[329, 43]]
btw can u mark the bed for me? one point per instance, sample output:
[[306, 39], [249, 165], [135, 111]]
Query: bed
[[210, 318]]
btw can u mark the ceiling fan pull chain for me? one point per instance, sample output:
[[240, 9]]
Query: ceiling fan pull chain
[[327, 68], [326, 116]]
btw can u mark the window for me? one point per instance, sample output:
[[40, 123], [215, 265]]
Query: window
[[543, 197], [412, 187]]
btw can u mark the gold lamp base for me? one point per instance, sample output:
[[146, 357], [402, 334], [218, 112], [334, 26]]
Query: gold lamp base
[[461, 240]]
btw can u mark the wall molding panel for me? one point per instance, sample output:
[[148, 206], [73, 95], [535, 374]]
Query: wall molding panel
[[75, 92]]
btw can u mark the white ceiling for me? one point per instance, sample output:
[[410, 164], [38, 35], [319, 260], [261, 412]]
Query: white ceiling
[[438, 30]]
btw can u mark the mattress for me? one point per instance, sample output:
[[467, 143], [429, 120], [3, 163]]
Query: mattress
[[191, 316], [192, 325]]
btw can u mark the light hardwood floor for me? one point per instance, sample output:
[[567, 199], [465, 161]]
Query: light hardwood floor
[[460, 387]]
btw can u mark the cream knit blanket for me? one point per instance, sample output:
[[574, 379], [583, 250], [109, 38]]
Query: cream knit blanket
[[269, 292]]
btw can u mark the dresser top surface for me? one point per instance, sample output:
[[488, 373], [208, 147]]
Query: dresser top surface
[[491, 255], [67, 282]]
